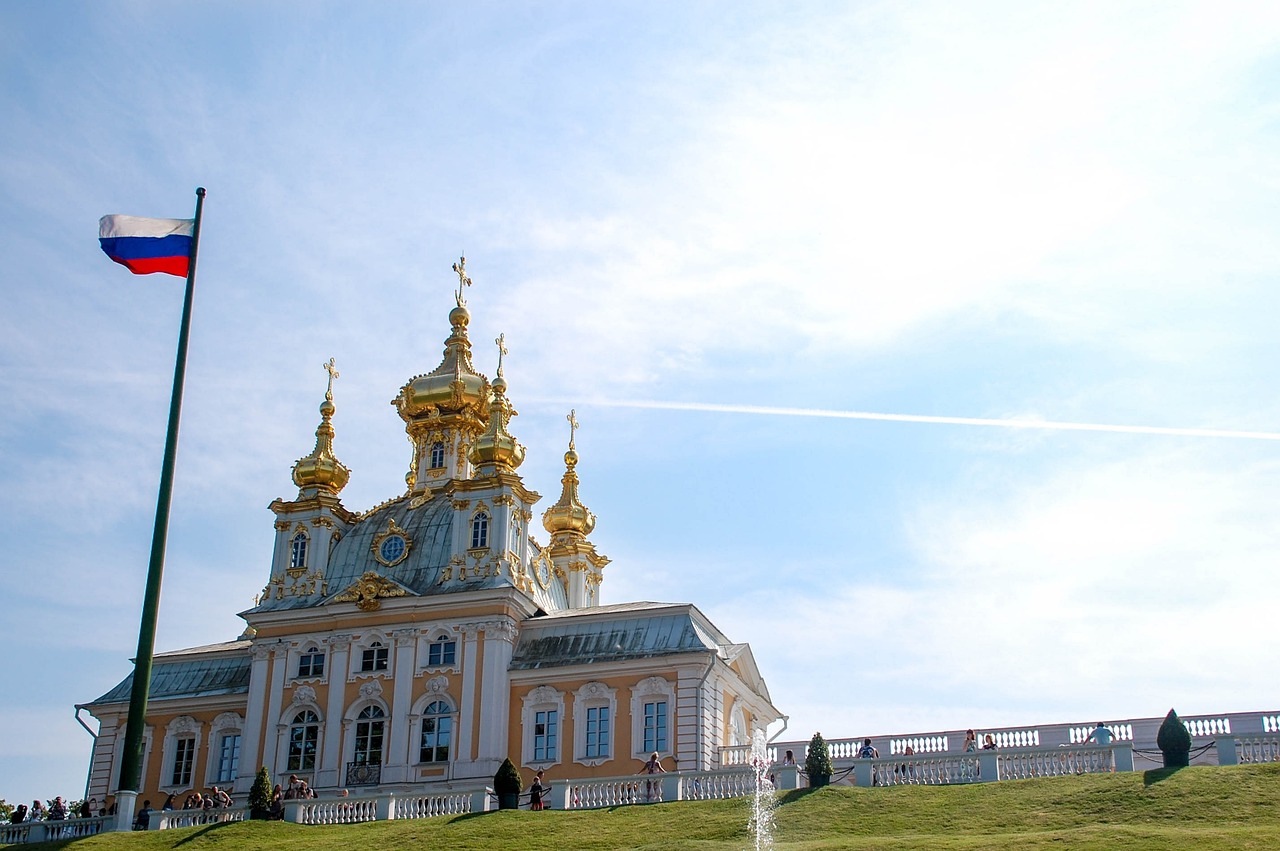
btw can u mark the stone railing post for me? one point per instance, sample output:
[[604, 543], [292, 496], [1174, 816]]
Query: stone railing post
[[1122, 756], [862, 774], [1227, 754], [125, 809], [988, 766], [293, 811], [671, 786], [557, 797], [480, 800], [787, 777], [384, 808]]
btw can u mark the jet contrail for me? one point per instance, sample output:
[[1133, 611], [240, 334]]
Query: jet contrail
[[1012, 422]]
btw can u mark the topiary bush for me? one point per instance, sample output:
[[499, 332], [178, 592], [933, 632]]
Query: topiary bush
[[508, 784], [1174, 741], [260, 795], [817, 762]]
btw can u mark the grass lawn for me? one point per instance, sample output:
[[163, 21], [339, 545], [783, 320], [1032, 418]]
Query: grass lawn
[[1202, 808]]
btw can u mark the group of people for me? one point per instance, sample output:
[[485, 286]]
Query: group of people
[[57, 810]]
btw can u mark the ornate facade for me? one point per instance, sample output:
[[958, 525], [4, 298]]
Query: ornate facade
[[421, 642]]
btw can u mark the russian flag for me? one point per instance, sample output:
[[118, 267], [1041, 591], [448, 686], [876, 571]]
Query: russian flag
[[144, 246]]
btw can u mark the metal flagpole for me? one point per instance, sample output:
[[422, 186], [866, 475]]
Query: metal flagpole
[[131, 766]]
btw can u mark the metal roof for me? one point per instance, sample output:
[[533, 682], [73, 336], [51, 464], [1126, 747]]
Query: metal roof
[[634, 631], [177, 676]]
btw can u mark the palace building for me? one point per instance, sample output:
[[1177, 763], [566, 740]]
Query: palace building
[[419, 643]]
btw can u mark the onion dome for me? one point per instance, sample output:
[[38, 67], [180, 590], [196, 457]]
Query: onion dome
[[321, 470], [569, 514], [496, 447], [453, 387]]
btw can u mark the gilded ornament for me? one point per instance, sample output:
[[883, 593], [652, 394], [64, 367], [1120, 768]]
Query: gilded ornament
[[368, 590]]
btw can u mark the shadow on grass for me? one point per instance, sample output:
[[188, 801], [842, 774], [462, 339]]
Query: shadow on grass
[[1152, 776], [795, 795], [202, 832]]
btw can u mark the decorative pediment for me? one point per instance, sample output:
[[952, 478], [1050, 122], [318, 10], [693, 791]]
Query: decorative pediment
[[367, 592]]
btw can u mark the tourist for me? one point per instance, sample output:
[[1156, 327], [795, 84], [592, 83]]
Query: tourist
[[37, 812], [970, 742], [143, 819], [221, 798], [789, 759], [277, 804], [907, 769], [653, 766], [1101, 736], [536, 791], [19, 814], [988, 742], [868, 751], [170, 801], [968, 768], [57, 810]]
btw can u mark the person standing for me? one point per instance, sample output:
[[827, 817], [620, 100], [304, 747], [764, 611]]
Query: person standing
[[536, 791], [1101, 735]]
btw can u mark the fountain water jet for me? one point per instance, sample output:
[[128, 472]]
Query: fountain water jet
[[761, 824]]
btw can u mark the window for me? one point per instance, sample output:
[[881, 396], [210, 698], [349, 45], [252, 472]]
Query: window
[[655, 726], [369, 729], [442, 652], [374, 657], [184, 757], [437, 726], [303, 736], [480, 530], [311, 662], [653, 707], [597, 732], [298, 555], [437, 455], [228, 757], [545, 735]]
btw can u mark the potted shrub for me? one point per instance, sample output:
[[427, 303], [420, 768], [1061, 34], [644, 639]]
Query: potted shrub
[[260, 795], [508, 784], [1174, 741], [817, 763]]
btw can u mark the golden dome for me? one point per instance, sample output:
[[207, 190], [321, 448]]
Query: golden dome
[[321, 470], [496, 446], [569, 514], [453, 387]]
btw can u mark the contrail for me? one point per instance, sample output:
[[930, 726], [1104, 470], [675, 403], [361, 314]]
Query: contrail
[[1012, 422]]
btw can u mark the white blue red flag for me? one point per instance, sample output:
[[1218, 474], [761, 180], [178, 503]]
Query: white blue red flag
[[144, 246]]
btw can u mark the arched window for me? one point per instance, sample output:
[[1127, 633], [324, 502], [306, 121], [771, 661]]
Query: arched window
[[480, 530], [437, 455], [437, 727], [374, 657], [441, 652], [369, 730], [298, 555], [311, 662], [303, 736]]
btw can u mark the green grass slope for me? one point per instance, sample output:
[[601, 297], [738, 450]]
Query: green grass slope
[[1201, 808]]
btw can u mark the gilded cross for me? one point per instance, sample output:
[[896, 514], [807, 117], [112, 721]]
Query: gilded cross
[[573, 425], [463, 281], [333, 373], [502, 350]]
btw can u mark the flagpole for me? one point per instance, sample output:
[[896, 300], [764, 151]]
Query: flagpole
[[131, 766]]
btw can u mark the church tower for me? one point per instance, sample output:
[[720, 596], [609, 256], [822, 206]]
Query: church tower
[[569, 522], [308, 527], [446, 409]]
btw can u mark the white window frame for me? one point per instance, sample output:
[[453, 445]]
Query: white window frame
[[366, 642], [353, 719], [435, 636], [594, 695], [182, 727], [541, 699], [298, 555], [418, 719], [432, 456], [479, 541], [652, 690], [226, 724], [302, 648]]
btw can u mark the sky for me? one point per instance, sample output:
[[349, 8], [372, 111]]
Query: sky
[[696, 224]]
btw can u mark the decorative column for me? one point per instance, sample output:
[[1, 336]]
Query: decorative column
[[330, 768], [251, 757], [279, 662], [467, 702], [495, 694], [397, 768]]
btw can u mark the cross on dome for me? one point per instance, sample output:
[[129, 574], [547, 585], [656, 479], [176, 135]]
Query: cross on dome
[[573, 425], [333, 373], [463, 281], [502, 350]]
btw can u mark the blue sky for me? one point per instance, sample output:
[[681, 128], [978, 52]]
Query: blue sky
[[996, 210]]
